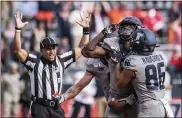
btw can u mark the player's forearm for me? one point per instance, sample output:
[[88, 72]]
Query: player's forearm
[[72, 92], [90, 54], [77, 88], [91, 45], [17, 41], [117, 75], [120, 83]]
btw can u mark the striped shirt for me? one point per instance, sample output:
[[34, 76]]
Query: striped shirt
[[46, 78]]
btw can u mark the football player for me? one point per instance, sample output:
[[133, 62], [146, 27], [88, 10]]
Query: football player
[[97, 68], [145, 69], [113, 44]]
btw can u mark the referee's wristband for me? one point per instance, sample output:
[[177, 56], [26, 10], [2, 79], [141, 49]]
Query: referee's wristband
[[86, 30], [17, 28]]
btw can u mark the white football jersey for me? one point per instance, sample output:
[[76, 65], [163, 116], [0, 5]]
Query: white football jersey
[[150, 75]]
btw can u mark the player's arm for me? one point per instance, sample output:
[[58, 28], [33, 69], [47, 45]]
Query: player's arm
[[91, 49], [21, 53], [85, 38], [124, 77], [77, 88], [118, 104], [107, 89]]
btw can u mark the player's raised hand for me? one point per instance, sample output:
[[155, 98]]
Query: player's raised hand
[[110, 29], [18, 20], [85, 19]]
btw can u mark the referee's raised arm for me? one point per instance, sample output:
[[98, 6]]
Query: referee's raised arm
[[71, 56], [85, 23], [21, 53]]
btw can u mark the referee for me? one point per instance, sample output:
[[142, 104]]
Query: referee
[[46, 72]]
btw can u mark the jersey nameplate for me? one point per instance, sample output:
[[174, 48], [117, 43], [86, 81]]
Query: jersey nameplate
[[153, 58]]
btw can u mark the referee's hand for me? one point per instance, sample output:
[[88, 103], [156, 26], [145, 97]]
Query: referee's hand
[[59, 98], [18, 20], [85, 19]]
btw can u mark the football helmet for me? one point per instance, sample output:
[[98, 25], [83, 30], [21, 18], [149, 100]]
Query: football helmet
[[126, 28], [143, 41]]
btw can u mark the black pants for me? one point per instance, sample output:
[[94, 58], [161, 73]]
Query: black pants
[[41, 111], [25, 109], [76, 110]]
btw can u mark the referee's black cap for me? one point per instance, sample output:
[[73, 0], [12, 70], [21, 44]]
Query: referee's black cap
[[48, 42]]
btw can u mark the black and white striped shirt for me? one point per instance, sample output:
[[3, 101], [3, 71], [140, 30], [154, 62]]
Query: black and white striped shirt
[[46, 78]]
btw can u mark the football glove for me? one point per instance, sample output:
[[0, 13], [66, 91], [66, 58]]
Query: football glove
[[110, 29], [129, 100]]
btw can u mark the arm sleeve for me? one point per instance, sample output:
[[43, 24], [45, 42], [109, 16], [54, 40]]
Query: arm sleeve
[[89, 69], [30, 61], [111, 43], [67, 58], [89, 65], [105, 46]]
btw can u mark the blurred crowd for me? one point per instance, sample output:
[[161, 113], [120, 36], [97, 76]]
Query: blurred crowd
[[58, 20]]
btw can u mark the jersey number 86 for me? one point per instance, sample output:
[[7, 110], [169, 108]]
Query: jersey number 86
[[155, 77]]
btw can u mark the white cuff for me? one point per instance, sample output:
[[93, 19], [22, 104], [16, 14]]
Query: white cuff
[[62, 99], [17, 30]]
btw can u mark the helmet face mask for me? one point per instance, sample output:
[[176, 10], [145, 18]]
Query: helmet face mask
[[127, 45], [126, 30], [125, 33]]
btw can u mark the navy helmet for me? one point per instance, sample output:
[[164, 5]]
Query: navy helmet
[[143, 41]]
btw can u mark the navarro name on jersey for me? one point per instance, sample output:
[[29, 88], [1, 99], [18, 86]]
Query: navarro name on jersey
[[152, 58]]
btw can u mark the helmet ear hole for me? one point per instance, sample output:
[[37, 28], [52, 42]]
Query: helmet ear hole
[[151, 48]]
